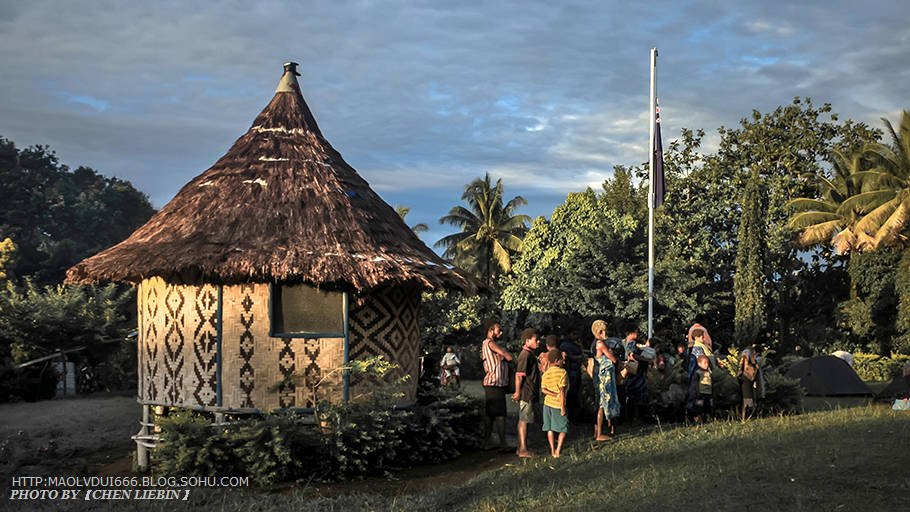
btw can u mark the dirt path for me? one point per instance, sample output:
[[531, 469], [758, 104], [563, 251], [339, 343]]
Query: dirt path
[[80, 435]]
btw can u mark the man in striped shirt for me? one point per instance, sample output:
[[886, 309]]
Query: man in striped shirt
[[495, 382]]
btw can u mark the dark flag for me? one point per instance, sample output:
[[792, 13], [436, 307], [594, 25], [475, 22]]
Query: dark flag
[[659, 187]]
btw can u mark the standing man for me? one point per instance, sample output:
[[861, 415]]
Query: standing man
[[495, 382], [527, 388]]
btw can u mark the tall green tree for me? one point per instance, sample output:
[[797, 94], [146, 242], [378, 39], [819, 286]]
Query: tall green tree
[[749, 281], [490, 232], [901, 343], [695, 239], [590, 258], [586, 261], [879, 307], [789, 149], [57, 217], [830, 221], [871, 312], [37, 321]]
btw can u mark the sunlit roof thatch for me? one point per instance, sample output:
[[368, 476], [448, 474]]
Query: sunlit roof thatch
[[281, 205]]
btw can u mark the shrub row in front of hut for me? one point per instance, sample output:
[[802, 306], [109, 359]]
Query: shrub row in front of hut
[[353, 440]]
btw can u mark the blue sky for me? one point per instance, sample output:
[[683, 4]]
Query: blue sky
[[422, 97]]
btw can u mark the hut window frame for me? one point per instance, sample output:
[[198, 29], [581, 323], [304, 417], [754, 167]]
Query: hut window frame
[[276, 320]]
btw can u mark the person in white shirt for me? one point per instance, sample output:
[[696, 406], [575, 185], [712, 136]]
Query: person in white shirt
[[451, 373]]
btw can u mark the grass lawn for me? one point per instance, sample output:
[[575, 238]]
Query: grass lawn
[[841, 459], [848, 459]]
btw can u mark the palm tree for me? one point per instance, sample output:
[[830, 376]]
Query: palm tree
[[886, 188], [416, 228], [833, 217], [490, 233]]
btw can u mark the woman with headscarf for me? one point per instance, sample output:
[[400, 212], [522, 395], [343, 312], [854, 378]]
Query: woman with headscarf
[[707, 337]]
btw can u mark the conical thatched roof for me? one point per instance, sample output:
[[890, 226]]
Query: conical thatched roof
[[281, 205]]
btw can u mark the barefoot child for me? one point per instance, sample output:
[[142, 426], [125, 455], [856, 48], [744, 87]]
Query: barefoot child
[[553, 385], [703, 392]]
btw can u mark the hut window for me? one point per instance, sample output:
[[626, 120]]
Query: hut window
[[305, 311]]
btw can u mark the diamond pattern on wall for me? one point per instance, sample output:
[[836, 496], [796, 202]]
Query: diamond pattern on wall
[[247, 347], [205, 345], [385, 323], [173, 344], [150, 341], [286, 364]]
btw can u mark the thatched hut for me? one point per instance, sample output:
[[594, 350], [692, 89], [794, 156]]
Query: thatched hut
[[277, 259]]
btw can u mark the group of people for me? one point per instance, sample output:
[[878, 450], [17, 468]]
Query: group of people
[[535, 374], [618, 368], [701, 362]]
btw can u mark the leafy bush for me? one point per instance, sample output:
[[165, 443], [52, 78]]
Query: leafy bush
[[902, 344], [39, 321], [352, 439], [872, 367], [782, 395], [191, 446], [726, 388], [667, 396], [369, 438], [36, 321]]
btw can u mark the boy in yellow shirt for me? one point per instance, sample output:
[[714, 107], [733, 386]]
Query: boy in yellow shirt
[[553, 385]]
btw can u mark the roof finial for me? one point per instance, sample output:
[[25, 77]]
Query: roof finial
[[288, 81]]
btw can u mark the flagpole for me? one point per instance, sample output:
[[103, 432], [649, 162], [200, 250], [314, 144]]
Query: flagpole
[[653, 66]]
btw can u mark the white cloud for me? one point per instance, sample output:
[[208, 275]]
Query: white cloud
[[422, 97], [763, 26]]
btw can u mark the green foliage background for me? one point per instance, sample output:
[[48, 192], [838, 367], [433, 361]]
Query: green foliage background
[[589, 258], [58, 217], [50, 219]]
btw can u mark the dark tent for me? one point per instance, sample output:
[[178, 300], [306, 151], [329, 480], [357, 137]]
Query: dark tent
[[899, 388], [827, 376]]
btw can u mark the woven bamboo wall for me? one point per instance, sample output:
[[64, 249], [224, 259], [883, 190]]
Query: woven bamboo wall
[[178, 344], [385, 322], [252, 361]]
